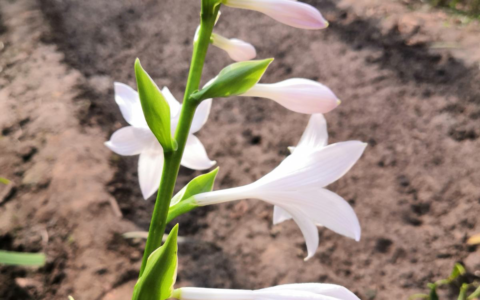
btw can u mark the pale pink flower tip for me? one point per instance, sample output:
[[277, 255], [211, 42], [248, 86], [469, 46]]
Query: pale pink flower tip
[[293, 13]]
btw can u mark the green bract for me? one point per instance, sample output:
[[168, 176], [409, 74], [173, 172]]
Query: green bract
[[183, 202], [210, 7], [155, 108], [235, 79], [156, 282]]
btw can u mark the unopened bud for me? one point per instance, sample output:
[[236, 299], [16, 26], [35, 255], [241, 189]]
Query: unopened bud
[[238, 50], [297, 94], [293, 13]]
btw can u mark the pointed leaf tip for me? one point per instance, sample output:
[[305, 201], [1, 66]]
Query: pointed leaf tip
[[233, 80], [184, 201], [155, 108], [172, 237], [160, 273]]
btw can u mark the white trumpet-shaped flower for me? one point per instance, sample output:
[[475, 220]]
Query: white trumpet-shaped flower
[[139, 139], [293, 13], [238, 50], [297, 186], [300, 291], [297, 94]]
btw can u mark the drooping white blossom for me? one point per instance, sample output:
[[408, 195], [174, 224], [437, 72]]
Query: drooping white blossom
[[301, 291], [297, 186], [137, 139], [238, 50], [290, 12], [298, 94]]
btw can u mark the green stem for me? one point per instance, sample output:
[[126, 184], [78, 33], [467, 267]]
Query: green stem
[[158, 223]]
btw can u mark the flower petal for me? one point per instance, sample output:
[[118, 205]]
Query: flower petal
[[195, 157], [150, 167], [130, 106], [332, 290], [308, 228], [332, 211], [298, 94], [320, 206], [315, 135], [172, 102], [238, 50], [129, 140], [189, 293], [295, 14], [319, 168], [280, 215], [309, 231], [241, 51], [285, 294], [201, 115]]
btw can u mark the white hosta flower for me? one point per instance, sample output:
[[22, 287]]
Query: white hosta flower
[[297, 186], [293, 13], [138, 138], [238, 50], [297, 94], [301, 291]]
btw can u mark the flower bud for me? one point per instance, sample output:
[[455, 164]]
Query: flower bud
[[238, 50], [293, 13], [299, 95]]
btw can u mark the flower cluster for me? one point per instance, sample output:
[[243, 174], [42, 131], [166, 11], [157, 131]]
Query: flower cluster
[[161, 131]]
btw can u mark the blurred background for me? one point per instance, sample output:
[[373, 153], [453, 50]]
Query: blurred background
[[407, 73]]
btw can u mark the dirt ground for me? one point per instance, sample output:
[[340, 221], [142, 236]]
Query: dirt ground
[[416, 190]]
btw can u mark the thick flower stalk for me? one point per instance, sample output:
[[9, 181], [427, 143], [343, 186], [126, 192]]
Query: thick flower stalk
[[297, 94], [297, 186], [138, 139], [238, 50], [290, 12], [302, 291]]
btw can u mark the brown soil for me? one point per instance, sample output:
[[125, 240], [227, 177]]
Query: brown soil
[[415, 190]]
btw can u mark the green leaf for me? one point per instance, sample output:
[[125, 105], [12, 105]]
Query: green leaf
[[200, 184], [475, 294], [160, 273], [458, 270], [463, 292], [433, 291], [235, 79], [155, 108], [4, 180], [183, 201], [22, 259]]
